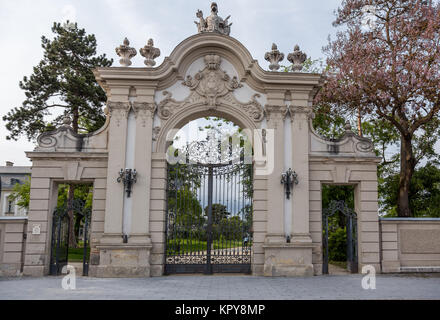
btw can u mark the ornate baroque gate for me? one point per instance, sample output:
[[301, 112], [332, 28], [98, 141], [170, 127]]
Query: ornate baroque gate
[[209, 217]]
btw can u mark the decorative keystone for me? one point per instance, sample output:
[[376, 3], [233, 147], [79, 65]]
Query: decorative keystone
[[297, 58], [149, 52], [274, 57], [126, 53]]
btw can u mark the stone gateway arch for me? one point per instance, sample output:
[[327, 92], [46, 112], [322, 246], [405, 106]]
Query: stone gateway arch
[[207, 74]]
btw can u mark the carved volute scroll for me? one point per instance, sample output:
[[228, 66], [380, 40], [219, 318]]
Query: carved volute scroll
[[211, 87]]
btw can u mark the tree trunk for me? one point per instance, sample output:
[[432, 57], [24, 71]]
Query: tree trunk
[[75, 120], [407, 164], [71, 213], [359, 122]]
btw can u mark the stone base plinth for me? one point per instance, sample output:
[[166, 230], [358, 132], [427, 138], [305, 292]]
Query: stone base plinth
[[390, 266], [288, 259], [122, 260]]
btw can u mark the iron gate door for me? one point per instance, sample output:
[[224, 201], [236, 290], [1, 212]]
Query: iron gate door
[[209, 218], [60, 240], [60, 236], [351, 234]]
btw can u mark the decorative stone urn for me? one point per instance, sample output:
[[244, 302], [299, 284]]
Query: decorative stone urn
[[150, 53], [126, 53], [297, 58], [274, 57]]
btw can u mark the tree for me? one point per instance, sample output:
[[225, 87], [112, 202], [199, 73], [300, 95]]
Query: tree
[[62, 84], [21, 193], [391, 72], [424, 192]]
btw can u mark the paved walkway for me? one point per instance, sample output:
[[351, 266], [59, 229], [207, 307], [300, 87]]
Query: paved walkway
[[225, 287]]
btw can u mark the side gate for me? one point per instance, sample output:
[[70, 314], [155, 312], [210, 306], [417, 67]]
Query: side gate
[[328, 216], [61, 227]]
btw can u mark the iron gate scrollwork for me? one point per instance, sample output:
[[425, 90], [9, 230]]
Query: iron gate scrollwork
[[351, 234], [209, 218], [61, 225]]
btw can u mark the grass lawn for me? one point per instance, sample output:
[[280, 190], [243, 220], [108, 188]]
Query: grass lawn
[[76, 254], [179, 246], [341, 264]]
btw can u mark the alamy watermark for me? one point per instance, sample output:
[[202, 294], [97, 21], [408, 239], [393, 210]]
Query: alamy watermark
[[369, 280], [69, 280], [258, 149], [368, 17]]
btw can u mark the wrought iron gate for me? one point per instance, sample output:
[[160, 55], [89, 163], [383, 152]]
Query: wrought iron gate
[[209, 218], [351, 232], [60, 236], [60, 240]]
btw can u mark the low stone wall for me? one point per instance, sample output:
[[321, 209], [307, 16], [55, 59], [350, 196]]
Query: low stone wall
[[12, 230], [410, 244]]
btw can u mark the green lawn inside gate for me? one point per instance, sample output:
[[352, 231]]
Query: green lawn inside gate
[[181, 246], [77, 254]]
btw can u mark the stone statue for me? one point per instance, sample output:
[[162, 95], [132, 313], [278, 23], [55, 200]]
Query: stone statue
[[213, 23]]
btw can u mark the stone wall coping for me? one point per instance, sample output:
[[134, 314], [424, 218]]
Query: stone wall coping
[[289, 245], [67, 155], [349, 158], [398, 219], [125, 246], [3, 219]]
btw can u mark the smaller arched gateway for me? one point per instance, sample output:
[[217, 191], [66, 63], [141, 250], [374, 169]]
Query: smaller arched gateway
[[208, 74]]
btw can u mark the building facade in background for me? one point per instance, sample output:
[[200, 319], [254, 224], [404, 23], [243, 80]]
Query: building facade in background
[[10, 175]]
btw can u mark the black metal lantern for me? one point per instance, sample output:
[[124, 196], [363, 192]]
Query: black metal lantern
[[128, 177], [289, 178]]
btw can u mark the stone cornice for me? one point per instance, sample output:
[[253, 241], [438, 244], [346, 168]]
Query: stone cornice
[[174, 67], [67, 156]]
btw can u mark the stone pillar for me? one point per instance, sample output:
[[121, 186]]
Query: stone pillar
[[300, 163], [43, 200], [275, 198], [140, 229], [292, 258], [118, 259], [116, 154]]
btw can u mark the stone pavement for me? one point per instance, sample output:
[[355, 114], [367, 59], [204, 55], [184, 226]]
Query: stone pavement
[[231, 287]]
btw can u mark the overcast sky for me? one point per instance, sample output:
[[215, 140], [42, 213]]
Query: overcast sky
[[257, 24]]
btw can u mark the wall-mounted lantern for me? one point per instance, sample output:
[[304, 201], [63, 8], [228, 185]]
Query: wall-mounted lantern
[[128, 177], [289, 178]]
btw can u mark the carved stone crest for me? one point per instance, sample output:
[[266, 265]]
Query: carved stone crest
[[211, 87]]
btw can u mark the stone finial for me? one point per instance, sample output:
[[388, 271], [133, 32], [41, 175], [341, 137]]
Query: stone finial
[[297, 58], [274, 57], [66, 121], [149, 52], [126, 53], [213, 23], [347, 127]]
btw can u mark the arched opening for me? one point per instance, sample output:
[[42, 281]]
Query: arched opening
[[209, 199], [71, 228], [339, 224]]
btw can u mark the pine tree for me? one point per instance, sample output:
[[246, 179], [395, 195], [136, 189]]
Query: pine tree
[[62, 84]]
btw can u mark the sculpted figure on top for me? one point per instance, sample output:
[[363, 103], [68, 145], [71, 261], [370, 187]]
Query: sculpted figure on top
[[213, 23]]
